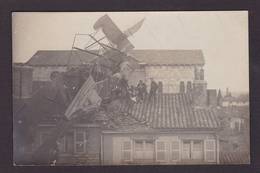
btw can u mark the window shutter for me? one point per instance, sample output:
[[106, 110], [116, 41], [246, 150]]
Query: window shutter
[[80, 141], [160, 151], [62, 144], [117, 150], [175, 150], [126, 150], [210, 150], [122, 150]]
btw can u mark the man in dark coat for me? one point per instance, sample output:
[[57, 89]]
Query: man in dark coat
[[141, 90], [153, 89]]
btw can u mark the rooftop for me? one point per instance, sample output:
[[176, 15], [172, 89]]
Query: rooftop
[[152, 57], [169, 57], [60, 58], [172, 111]]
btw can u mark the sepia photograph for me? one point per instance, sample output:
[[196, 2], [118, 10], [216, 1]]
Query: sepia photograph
[[130, 88]]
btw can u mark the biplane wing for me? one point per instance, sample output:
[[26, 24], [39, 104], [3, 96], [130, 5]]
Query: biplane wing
[[113, 33]]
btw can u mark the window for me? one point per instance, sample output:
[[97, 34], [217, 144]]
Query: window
[[144, 150], [160, 151], [210, 150], [80, 141], [197, 150], [175, 150], [192, 150], [127, 150]]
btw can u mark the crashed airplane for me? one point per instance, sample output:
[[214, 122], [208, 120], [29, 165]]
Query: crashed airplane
[[79, 93]]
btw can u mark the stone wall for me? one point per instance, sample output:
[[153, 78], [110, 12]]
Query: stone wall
[[170, 76]]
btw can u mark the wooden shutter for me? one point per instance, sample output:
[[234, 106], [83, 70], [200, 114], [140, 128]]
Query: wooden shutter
[[122, 149], [62, 144], [160, 147], [79, 141], [126, 150], [175, 150], [210, 150]]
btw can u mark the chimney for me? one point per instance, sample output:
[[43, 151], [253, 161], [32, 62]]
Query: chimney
[[160, 87], [212, 97], [219, 98], [199, 93], [199, 90]]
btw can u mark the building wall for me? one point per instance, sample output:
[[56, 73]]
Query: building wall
[[22, 82], [162, 149], [170, 76], [136, 76], [42, 73]]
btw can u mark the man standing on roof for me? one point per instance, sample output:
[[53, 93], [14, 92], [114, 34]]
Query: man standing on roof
[[153, 89], [141, 89]]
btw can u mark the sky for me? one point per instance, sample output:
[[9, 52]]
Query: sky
[[221, 35]]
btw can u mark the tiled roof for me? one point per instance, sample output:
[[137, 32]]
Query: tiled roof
[[234, 158], [75, 57], [169, 57], [172, 111]]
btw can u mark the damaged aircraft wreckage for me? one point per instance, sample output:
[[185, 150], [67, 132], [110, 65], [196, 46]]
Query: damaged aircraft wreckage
[[85, 92]]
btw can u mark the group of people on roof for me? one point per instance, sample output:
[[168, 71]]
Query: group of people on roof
[[136, 93]]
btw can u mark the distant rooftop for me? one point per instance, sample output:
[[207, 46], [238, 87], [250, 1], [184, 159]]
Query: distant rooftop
[[169, 57], [151, 57], [60, 58]]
